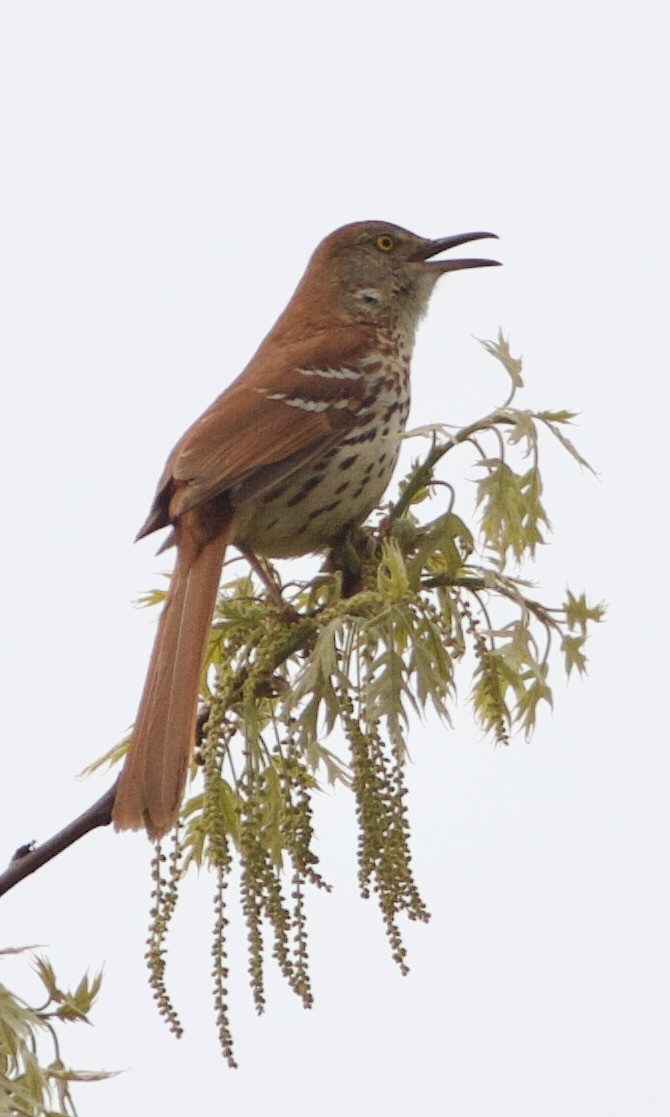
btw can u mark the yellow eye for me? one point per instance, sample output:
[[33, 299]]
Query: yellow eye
[[385, 244]]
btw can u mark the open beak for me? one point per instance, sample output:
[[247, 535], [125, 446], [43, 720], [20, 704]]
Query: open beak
[[431, 248]]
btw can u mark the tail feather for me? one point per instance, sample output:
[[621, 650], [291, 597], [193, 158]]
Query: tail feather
[[152, 782]]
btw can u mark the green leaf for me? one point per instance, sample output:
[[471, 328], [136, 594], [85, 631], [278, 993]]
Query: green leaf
[[578, 612], [28, 1084], [392, 580], [572, 646], [492, 679], [46, 974], [512, 514], [528, 700], [552, 419], [501, 351], [112, 756]]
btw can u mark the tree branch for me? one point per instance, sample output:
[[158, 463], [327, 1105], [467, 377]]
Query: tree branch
[[26, 860]]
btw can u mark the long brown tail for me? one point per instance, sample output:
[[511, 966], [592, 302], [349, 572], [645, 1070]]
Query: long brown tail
[[152, 782]]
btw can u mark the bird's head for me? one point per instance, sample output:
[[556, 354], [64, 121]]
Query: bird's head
[[380, 273]]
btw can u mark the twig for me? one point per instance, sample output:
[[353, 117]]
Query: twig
[[24, 863], [423, 473]]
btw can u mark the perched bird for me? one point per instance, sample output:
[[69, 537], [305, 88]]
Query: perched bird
[[300, 447]]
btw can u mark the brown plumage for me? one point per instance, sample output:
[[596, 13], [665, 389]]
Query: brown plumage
[[299, 447]]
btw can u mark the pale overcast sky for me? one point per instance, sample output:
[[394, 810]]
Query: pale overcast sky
[[166, 170]]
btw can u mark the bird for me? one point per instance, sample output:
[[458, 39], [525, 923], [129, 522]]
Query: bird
[[300, 447]]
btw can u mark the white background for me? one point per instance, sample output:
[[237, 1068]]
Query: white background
[[166, 170]]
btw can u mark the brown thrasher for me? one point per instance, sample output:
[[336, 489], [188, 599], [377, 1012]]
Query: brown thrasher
[[299, 447]]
